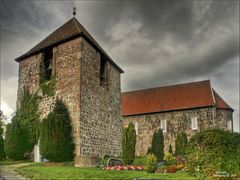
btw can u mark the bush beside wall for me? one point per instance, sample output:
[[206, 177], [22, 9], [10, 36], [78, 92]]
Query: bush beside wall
[[214, 151], [128, 144], [56, 143]]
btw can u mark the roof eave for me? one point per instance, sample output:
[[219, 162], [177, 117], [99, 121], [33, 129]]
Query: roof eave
[[163, 111]]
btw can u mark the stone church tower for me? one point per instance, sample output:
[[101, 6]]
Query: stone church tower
[[86, 80]]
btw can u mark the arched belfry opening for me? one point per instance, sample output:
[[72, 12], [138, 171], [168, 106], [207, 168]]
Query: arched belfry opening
[[47, 62]]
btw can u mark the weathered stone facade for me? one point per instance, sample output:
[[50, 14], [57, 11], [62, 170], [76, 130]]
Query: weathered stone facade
[[94, 110], [176, 121]]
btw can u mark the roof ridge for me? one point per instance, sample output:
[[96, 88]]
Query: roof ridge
[[172, 85], [76, 23], [68, 31]]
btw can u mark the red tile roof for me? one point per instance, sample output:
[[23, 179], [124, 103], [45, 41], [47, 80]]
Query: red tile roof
[[169, 98], [220, 103], [70, 30]]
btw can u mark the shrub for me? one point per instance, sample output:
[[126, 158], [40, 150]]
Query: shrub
[[151, 165], [158, 145], [149, 151], [140, 161], [168, 157], [171, 169], [2, 154], [170, 149], [56, 142], [214, 151], [128, 144], [15, 137], [181, 144]]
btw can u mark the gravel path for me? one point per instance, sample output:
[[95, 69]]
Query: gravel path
[[8, 172]]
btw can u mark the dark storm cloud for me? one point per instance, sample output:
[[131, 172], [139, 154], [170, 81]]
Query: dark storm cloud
[[24, 24], [155, 42]]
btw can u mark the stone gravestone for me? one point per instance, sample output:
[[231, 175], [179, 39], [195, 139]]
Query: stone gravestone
[[115, 162]]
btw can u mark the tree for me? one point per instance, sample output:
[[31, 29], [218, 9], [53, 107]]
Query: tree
[[2, 153], [181, 144], [170, 149], [128, 144], [56, 143], [158, 145], [15, 137]]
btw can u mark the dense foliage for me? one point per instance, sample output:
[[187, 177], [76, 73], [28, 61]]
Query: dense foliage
[[48, 86], [170, 149], [28, 117], [158, 145], [214, 151], [56, 143], [151, 164], [2, 153], [15, 138], [181, 144], [128, 144], [22, 134]]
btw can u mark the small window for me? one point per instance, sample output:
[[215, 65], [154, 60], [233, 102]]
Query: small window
[[164, 125], [229, 125], [104, 68], [136, 127], [194, 123]]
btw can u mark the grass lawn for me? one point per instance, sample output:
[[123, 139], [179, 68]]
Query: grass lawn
[[39, 171]]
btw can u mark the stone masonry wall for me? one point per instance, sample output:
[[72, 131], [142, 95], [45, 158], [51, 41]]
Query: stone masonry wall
[[66, 60], [29, 75], [100, 121], [176, 121], [223, 116]]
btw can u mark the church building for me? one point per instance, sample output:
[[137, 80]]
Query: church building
[[87, 81], [190, 107]]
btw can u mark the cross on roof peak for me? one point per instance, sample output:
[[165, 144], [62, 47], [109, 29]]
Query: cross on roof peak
[[74, 11]]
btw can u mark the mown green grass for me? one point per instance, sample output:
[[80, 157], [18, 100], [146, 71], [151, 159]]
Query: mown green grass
[[39, 171]]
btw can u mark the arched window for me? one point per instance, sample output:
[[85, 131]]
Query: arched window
[[136, 127], [164, 125]]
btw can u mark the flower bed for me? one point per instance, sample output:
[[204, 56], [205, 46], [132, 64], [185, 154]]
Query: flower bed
[[116, 168]]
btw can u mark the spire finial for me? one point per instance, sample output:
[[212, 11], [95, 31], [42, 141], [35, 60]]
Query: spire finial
[[74, 11]]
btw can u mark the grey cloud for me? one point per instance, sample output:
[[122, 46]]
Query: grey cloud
[[155, 42]]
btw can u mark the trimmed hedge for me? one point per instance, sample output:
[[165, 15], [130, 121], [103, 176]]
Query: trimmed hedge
[[56, 143], [158, 145], [128, 144], [181, 144], [214, 150], [2, 153], [15, 137]]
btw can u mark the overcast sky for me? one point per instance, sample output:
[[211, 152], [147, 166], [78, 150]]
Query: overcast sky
[[157, 43]]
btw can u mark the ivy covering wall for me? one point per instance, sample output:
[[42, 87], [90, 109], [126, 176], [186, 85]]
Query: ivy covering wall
[[48, 86]]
